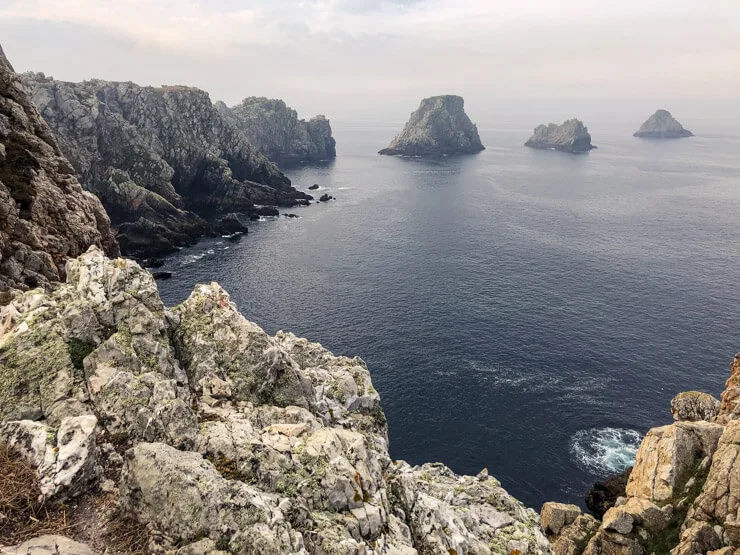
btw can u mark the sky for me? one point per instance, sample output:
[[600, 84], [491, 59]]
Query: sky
[[378, 58]]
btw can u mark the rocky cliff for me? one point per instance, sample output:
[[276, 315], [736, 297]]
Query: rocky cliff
[[276, 131], [45, 216], [570, 136], [662, 125], [439, 127], [683, 494], [160, 159], [211, 436]]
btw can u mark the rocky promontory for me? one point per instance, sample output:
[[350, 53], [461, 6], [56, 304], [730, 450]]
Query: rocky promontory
[[275, 130], [570, 136], [662, 125], [45, 215], [439, 127], [162, 160]]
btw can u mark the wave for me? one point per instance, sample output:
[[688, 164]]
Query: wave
[[605, 451]]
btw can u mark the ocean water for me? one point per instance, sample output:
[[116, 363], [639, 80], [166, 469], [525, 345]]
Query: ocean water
[[530, 312]]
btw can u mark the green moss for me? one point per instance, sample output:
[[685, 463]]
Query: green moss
[[78, 350]]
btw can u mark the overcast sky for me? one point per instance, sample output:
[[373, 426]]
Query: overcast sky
[[344, 57]]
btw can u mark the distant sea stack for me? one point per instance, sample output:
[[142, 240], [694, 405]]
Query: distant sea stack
[[571, 136], [662, 125], [439, 127], [275, 130]]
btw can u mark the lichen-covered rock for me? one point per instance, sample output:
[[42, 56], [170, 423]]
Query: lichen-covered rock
[[662, 125], [692, 406], [570, 136], [48, 545], [439, 127], [556, 516], [45, 216], [156, 157], [275, 130]]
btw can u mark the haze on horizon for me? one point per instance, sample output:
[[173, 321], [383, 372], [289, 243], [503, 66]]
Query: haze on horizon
[[349, 57]]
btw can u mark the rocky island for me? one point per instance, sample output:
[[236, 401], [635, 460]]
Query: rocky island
[[570, 136], [439, 127], [275, 130], [662, 125], [162, 160]]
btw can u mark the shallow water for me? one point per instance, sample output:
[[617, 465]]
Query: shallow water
[[527, 311]]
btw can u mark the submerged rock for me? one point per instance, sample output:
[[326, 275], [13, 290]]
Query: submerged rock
[[438, 127], [570, 136], [276, 131], [662, 125]]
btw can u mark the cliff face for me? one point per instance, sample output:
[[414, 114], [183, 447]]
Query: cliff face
[[156, 157], [275, 130], [438, 127], [45, 216], [683, 494], [662, 125], [215, 436], [570, 136]]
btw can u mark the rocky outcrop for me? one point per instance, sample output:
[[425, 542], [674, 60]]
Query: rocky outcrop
[[603, 495], [160, 159], [662, 125], [218, 436], [45, 216], [276, 131], [570, 136], [692, 406], [439, 127]]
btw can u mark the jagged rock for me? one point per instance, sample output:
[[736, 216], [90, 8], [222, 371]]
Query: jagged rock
[[692, 406], [603, 495], [556, 516], [730, 408], [231, 223], [662, 125], [325, 197], [156, 157], [570, 136], [698, 539], [667, 457], [45, 216], [439, 127], [573, 538], [276, 131], [48, 545]]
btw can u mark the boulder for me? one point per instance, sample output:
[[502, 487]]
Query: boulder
[[556, 516], [691, 406]]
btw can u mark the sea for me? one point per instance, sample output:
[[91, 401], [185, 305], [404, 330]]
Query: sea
[[529, 312]]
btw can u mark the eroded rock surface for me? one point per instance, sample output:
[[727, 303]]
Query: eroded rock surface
[[569, 136], [662, 125]]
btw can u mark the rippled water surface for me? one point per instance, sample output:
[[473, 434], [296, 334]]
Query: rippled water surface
[[526, 311]]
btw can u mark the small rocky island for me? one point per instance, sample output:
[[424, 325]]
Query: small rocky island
[[570, 136], [662, 125], [440, 127]]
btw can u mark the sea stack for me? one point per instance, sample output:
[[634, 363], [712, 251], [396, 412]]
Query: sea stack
[[439, 127], [571, 136], [662, 125]]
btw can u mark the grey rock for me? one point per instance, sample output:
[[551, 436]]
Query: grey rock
[[275, 130], [570, 136], [48, 545], [439, 127], [692, 406], [662, 125]]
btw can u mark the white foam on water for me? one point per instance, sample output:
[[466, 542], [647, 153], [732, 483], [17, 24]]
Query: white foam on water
[[605, 451]]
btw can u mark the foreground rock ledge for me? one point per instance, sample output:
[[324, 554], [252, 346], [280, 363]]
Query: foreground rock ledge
[[218, 436]]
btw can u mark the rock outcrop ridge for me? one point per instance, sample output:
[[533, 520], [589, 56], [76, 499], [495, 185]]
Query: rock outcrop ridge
[[682, 495], [217, 436], [45, 215], [439, 127], [570, 136], [275, 130], [160, 159], [662, 125]]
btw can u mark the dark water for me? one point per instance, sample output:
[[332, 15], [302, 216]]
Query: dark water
[[519, 310]]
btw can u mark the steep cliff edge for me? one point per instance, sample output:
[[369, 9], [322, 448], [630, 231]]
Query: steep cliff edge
[[160, 159], [569, 136], [662, 125], [275, 130], [439, 127], [214, 436], [45, 216]]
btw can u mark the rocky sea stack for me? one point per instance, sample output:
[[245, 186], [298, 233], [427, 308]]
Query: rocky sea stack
[[439, 127], [275, 130], [570, 136], [162, 160], [662, 125]]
